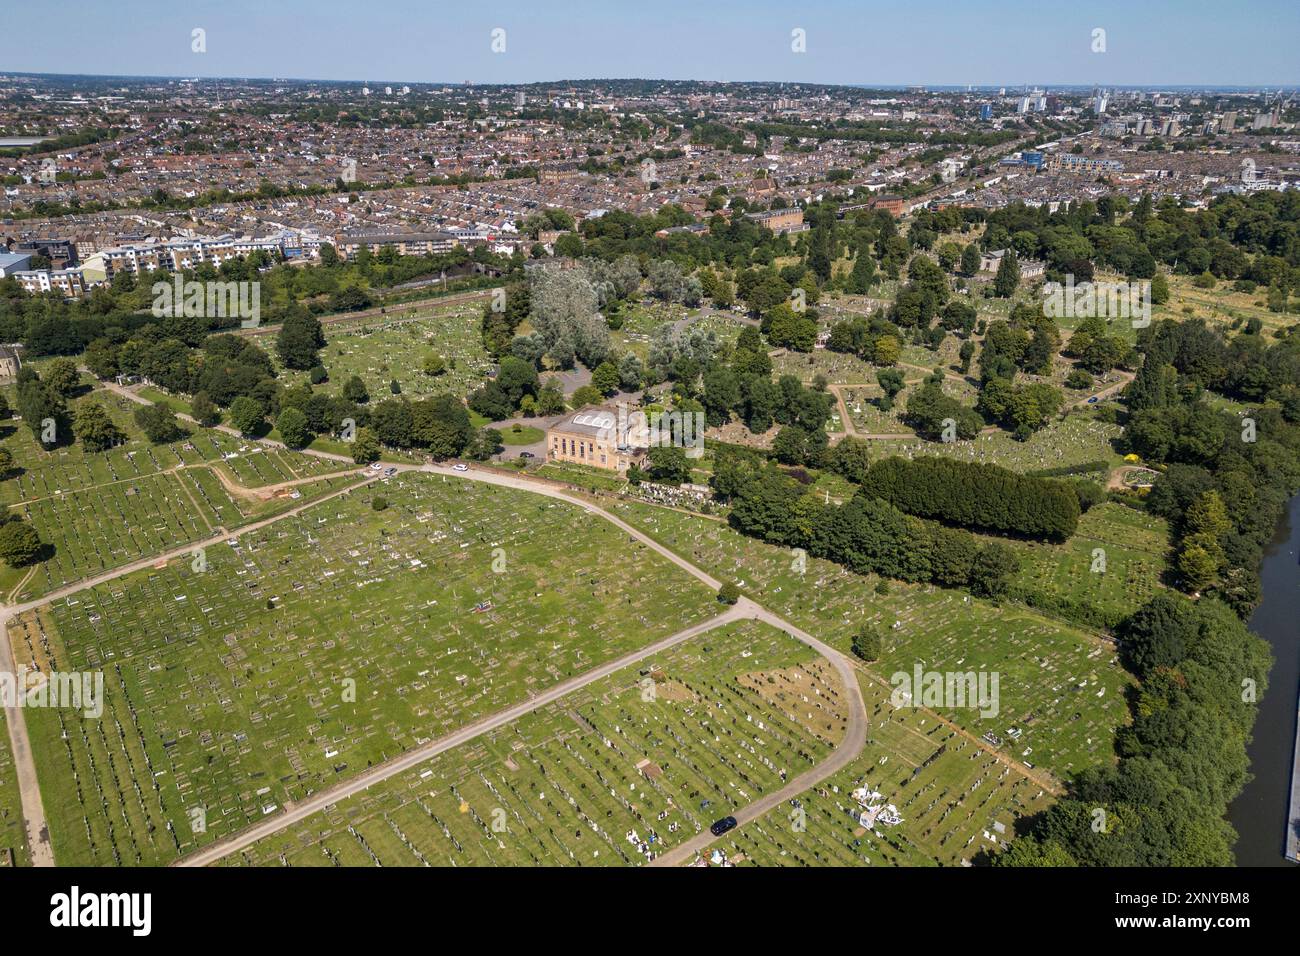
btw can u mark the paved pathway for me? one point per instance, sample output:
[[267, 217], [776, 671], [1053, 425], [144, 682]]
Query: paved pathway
[[29, 791], [297, 812], [849, 748]]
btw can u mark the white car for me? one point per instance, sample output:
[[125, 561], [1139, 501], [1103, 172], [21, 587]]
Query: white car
[[376, 466], [459, 467]]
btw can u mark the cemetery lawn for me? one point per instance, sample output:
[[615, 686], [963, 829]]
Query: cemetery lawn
[[393, 347], [661, 750], [1061, 686], [101, 510], [525, 435], [13, 838], [1077, 438], [319, 645], [1106, 571], [954, 798]]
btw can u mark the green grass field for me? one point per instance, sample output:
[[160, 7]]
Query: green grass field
[[320, 645], [659, 750], [382, 349], [13, 841], [1061, 685], [1105, 572], [100, 510], [954, 798], [1078, 438]]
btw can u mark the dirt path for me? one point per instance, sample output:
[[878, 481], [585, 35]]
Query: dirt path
[[35, 828]]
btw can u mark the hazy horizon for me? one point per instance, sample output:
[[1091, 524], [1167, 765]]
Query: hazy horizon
[[1169, 43]]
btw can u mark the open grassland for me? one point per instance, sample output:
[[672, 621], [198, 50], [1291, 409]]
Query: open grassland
[[320, 645], [954, 797], [1220, 305], [614, 774], [1061, 687]]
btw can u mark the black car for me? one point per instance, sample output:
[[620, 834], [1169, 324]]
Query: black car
[[723, 825]]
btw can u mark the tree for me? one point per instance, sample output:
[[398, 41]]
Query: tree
[[1007, 279], [442, 425], [62, 376], [294, 428], [485, 443], [1208, 515], [891, 381], [393, 422], [728, 593], [586, 395], [790, 446], [434, 365], [970, 260], [851, 458], [94, 428], [1157, 635], [550, 400], [1199, 561], [887, 350], [38, 404], [204, 410], [246, 414], [863, 276], [354, 390], [20, 545], [299, 340], [159, 423], [965, 354], [605, 377], [6, 463], [668, 464], [867, 644], [365, 447]]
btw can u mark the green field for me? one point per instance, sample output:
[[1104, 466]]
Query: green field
[[660, 749], [322, 644], [954, 798], [1105, 572], [1078, 438], [102, 510], [13, 841], [382, 349], [1061, 685]]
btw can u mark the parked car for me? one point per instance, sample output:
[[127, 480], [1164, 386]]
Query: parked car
[[389, 472], [723, 825], [459, 467], [526, 454]]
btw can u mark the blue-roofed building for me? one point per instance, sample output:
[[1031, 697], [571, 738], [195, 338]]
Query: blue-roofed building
[[11, 262]]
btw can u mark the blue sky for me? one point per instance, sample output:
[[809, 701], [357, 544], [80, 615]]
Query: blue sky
[[1172, 42]]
